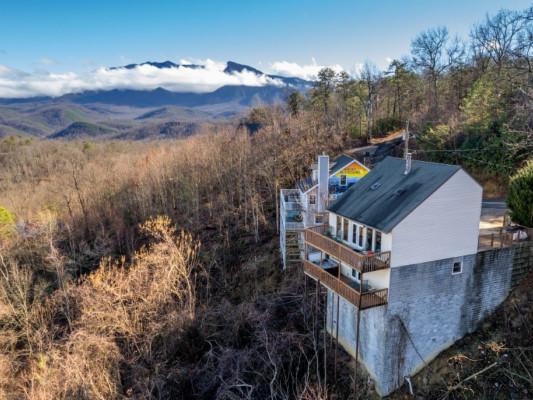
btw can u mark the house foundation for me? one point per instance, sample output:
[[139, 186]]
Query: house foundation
[[428, 310]]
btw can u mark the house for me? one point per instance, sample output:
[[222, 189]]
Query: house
[[401, 269], [305, 206]]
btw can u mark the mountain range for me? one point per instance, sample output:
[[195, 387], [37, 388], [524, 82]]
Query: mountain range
[[140, 114]]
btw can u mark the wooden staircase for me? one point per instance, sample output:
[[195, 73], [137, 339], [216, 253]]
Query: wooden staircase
[[293, 248]]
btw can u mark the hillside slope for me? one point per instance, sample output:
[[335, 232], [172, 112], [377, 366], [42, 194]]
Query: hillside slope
[[78, 130]]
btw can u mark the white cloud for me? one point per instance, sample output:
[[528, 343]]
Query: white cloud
[[357, 68], [47, 61], [19, 84], [309, 72]]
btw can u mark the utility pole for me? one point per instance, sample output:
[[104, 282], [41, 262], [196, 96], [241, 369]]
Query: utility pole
[[407, 155], [406, 140]]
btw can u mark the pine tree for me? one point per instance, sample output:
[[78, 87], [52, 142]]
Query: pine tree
[[520, 196]]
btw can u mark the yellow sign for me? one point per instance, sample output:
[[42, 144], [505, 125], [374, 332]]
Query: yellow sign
[[354, 170]]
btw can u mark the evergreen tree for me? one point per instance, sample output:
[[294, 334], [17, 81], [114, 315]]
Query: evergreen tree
[[520, 197]]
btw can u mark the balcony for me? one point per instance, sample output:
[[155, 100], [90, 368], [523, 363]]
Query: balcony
[[292, 210], [291, 200], [317, 238], [345, 287]]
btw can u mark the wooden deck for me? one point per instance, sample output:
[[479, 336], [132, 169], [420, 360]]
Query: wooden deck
[[365, 300], [364, 263], [499, 239]]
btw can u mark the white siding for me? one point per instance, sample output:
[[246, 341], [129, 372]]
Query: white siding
[[376, 279], [386, 241], [445, 225], [333, 221]]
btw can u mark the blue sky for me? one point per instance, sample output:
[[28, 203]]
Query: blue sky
[[51, 48], [81, 35]]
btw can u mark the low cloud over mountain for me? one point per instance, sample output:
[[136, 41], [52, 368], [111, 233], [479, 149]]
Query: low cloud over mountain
[[200, 77], [307, 72], [176, 78]]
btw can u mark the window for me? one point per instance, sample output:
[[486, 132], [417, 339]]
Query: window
[[369, 238], [378, 242], [457, 267], [339, 226], [360, 235], [345, 229], [354, 234], [343, 180], [312, 199], [356, 274], [319, 218]]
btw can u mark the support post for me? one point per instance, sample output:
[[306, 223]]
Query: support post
[[325, 348], [357, 330], [316, 336], [315, 314], [336, 336], [305, 296], [331, 324], [278, 201]]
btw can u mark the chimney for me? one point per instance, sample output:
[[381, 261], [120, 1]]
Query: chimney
[[323, 182], [314, 169], [407, 163]]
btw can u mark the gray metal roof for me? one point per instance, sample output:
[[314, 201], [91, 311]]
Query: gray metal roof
[[305, 184], [385, 196], [337, 164]]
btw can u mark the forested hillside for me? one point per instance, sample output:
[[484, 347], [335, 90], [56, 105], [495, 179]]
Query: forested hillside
[[150, 270], [467, 102]]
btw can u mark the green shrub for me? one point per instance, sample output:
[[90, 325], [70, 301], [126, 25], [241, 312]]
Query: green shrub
[[384, 126], [482, 106], [7, 222], [520, 196]]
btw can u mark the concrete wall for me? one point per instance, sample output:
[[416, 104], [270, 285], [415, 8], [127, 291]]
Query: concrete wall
[[372, 332], [445, 225], [429, 309]]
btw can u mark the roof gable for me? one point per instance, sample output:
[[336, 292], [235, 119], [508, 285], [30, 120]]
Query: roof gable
[[338, 164], [385, 196]]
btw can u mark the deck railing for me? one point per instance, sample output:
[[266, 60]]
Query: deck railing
[[290, 225], [365, 300], [292, 206], [501, 239], [316, 237], [291, 200]]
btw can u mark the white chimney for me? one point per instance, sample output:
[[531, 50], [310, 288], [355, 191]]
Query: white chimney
[[314, 175], [323, 182], [407, 163]]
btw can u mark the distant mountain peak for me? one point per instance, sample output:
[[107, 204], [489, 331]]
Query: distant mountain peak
[[233, 98], [161, 65], [232, 66]]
